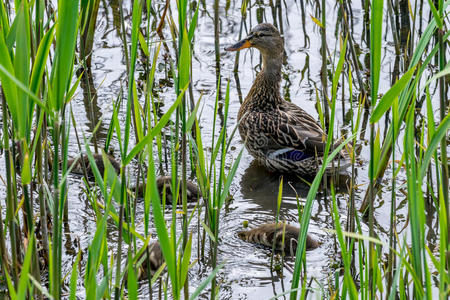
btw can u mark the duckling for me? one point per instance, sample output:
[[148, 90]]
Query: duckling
[[164, 182], [83, 161], [155, 259], [280, 135], [265, 234]]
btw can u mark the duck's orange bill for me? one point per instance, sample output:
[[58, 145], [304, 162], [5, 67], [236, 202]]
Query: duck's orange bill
[[239, 45]]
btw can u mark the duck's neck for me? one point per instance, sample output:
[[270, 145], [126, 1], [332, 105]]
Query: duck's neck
[[265, 91], [272, 68]]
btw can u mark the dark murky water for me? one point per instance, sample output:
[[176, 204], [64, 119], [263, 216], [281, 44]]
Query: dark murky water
[[246, 274]]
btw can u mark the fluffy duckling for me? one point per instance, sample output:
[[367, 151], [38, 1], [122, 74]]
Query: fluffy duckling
[[154, 259], [82, 161], [266, 233], [164, 183]]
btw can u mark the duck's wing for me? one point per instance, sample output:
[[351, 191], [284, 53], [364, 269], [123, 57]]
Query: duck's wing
[[293, 130]]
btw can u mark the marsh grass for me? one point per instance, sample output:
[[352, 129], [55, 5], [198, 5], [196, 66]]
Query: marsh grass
[[41, 51]]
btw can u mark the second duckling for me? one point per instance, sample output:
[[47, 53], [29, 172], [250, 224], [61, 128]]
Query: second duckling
[[78, 164], [266, 233], [155, 259], [165, 183]]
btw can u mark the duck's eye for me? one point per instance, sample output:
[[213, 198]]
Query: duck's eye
[[260, 34]]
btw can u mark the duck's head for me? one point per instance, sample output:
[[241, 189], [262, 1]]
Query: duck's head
[[265, 37]]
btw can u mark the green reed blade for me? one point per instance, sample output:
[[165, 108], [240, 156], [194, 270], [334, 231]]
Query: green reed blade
[[9, 81], [192, 116], [350, 284], [23, 281], [441, 73], [185, 261], [73, 89], [415, 201], [41, 60], [205, 283], [376, 22], [22, 69], [66, 36], [340, 64], [155, 130], [74, 278], [4, 22], [229, 178], [138, 112], [439, 134], [131, 280], [193, 24], [184, 61], [96, 250], [9, 89], [169, 252], [436, 16], [444, 280], [386, 101]]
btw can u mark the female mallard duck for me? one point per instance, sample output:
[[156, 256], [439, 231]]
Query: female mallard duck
[[266, 233], [281, 135]]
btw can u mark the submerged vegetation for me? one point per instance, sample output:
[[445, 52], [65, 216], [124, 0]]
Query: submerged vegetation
[[160, 126]]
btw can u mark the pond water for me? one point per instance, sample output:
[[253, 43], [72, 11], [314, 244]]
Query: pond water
[[246, 273]]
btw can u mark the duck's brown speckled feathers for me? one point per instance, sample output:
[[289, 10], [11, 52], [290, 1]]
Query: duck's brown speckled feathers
[[154, 259], [281, 135], [164, 183], [266, 233], [77, 164]]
